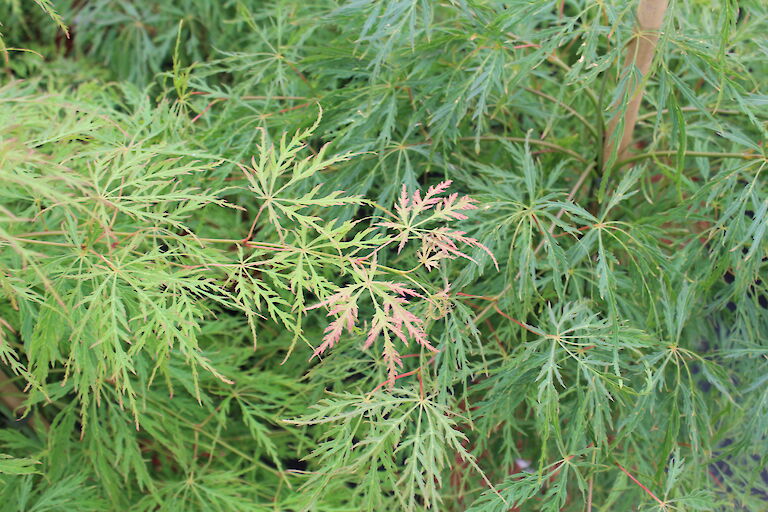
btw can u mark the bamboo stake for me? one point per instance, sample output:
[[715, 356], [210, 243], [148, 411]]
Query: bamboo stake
[[640, 51]]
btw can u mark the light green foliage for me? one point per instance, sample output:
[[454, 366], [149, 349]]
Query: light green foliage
[[9, 465], [366, 255]]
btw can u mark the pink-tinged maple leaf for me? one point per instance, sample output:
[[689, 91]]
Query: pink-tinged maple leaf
[[453, 204], [400, 317], [401, 237], [332, 335], [377, 327], [437, 243], [344, 293], [343, 306], [401, 290], [392, 318], [443, 243], [430, 198], [392, 359], [459, 236], [402, 205]]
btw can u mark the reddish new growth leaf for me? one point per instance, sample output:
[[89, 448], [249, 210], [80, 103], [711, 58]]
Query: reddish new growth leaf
[[437, 242], [417, 217], [343, 306], [391, 319], [395, 317]]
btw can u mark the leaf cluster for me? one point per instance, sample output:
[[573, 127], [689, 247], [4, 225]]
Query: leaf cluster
[[361, 255]]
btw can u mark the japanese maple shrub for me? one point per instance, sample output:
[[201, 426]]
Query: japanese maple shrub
[[333, 255]]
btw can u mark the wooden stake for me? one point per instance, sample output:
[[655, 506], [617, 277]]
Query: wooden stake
[[640, 51]]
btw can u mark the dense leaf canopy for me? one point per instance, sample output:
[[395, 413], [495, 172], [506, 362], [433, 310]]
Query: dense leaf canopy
[[342, 255]]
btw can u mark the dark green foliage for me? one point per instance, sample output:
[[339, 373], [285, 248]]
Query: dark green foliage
[[216, 295]]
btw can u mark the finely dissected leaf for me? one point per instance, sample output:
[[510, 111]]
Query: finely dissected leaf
[[395, 225], [12, 466]]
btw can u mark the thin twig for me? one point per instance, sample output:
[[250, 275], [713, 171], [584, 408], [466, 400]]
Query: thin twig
[[537, 142], [722, 111], [567, 107], [706, 154], [397, 377], [647, 490]]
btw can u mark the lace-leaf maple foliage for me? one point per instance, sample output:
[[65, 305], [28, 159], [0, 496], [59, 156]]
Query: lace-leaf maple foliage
[[360, 255]]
